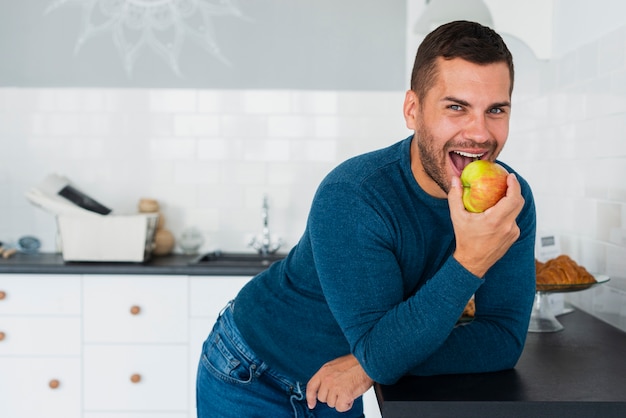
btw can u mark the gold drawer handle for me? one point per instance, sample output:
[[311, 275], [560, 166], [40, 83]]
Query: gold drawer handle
[[2, 335], [135, 378], [3, 295], [135, 310], [54, 384]]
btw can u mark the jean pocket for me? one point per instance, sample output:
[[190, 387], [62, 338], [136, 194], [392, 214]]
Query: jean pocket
[[222, 359]]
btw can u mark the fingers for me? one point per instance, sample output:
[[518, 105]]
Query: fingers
[[455, 200], [338, 402], [338, 383], [513, 186], [513, 200], [317, 391], [312, 389], [343, 406], [455, 194]]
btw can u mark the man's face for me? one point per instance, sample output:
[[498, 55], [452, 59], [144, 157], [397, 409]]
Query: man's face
[[464, 116]]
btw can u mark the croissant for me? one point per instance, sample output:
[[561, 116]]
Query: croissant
[[562, 270]]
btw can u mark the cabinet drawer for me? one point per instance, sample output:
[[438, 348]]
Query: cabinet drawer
[[40, 387], [27, 294], [111, 374], [22, 336], [208, 295], [135, 309]]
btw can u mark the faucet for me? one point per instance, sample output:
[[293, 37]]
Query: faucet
[[264, 245]]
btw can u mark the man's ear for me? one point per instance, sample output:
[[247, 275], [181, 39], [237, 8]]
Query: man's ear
[[410, 108]]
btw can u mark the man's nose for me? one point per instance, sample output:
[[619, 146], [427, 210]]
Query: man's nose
[[476, 128]]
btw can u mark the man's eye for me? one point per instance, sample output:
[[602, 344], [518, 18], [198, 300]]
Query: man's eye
[[496, 110], [455, 107]]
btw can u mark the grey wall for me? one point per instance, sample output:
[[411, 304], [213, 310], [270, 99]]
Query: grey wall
[[274, 44]]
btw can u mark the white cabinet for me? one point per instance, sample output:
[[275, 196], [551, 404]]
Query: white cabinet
[[209, 294], [135, 309], [42, 387], [40, 346], [140, 378], [207, 297], [370, 404], [40, 336], [28, 294], [135, 344], [106, 346]]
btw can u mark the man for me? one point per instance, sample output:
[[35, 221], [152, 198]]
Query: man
[[389, 259]]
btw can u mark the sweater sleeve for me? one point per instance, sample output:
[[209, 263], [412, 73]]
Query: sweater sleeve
[[393, 330], [494, 340]]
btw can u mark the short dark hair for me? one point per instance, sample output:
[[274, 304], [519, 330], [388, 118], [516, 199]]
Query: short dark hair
[[470, 41]]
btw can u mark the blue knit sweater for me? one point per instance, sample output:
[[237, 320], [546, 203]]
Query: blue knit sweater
[[374, 275]]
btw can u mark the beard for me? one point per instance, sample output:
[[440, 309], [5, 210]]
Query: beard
[[434, 167], [435, 161]]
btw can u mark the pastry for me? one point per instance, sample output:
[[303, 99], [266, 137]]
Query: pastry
[[562, 270], [470, 309]]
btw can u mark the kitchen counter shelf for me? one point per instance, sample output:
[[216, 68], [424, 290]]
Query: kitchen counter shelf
[[577, 372]]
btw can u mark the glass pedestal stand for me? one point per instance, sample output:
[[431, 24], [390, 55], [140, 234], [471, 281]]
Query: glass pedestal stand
[[542, 319]]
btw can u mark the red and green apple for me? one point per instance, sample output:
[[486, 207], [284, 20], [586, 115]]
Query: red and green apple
[[484, 184]]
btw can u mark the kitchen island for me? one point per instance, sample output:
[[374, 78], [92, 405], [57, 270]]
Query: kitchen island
[[577, 372]]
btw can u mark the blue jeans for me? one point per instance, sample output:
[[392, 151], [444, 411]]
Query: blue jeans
[[233, 382]]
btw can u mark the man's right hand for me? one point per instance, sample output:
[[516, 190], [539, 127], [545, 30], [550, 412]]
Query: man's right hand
[[338, 383], [483, 238]]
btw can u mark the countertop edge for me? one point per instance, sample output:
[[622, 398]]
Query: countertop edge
[[510, 409], [175, 264]]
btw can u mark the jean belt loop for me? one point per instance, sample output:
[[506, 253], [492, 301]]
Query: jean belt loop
[[230, 304]]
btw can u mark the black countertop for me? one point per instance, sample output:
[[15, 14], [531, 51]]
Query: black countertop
[[176, 264], [577, 372]]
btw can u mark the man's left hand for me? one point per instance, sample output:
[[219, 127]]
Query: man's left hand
[[338, 383]]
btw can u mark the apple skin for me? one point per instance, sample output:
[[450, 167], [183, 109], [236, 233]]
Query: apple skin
[[484, 184]]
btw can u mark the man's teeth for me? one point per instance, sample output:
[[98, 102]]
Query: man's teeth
[[469, 155]]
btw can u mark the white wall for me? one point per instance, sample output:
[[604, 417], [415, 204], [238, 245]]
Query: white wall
[[578, 22]]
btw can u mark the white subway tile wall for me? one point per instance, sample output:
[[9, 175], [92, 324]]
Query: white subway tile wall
[[568, 142], [207, 156]]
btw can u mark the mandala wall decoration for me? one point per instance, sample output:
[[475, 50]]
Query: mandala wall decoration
[[162, 26]]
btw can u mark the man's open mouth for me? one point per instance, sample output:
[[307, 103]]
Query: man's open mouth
[[460, 159]]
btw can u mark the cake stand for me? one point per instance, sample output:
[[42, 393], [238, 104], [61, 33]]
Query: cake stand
[[542, 319]]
